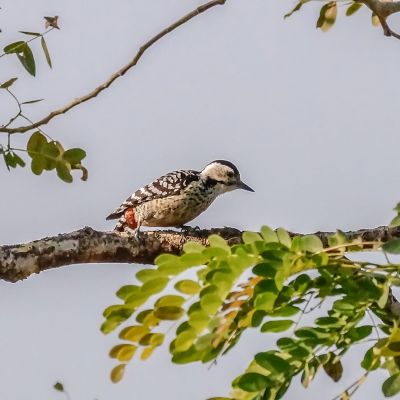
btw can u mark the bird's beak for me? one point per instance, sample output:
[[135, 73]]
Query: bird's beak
[[245, 187]]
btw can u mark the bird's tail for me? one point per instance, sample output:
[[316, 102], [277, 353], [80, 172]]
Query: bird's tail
[[117, 213], [127, 218], [120, 227]]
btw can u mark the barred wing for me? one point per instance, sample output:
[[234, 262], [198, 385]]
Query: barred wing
[[168, 185]]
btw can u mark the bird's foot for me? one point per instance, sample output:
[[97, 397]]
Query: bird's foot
[[188, 229], [134, 233]]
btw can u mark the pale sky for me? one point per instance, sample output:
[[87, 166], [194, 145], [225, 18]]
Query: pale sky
[[309, 118]]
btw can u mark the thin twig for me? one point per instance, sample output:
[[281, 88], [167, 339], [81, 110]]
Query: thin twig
[[373, 323], [12, 119], [199, 10], [303, 311], [355, 386]]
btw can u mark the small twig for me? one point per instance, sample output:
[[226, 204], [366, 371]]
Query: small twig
[[199, 10], [318, 305], [351, 389], [303, 311], [373, 323], [12, 119]]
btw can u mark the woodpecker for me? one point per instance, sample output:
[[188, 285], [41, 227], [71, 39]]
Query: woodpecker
[[177, 197]]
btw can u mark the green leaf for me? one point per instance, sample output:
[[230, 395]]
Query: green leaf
[[198, 320], [286, 311], [268, 234], [273, 363], [8, 83], [32, 101], [333, 369], [51, 150], [15, 47], [188, 286], [219, 242], [395, 222], [19, 160], [46, 51], [123, 352], [284, 237], [134, 333], [153, 339], [329, 322], [117, 373], [128, 290], [296, 8], [169, 313], [193, 259], [392, 247], [265, 301], [343, 306], [385, 295], [359, 333], [251, 237], [353, 8], [145, 275], [277, 326], [154, 286], [210, 303], [64, 172], [30, 33], [74, 156], [337, 238], [371, 360], [35, 143], [392, 385], [12, 160], [311, 243], [38, 164], [375, 21], [327, 16], [110, 324], [169, 300], [9, 160], [58, 386], [193, 247], [27, 60], [184, 340], [253, 382]]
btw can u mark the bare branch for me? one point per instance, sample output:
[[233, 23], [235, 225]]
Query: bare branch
[[86, 246], [199, 10]]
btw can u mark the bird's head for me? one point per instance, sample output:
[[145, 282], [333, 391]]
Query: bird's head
[[224, 176]]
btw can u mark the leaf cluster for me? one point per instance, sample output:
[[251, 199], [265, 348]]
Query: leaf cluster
[[24, 53], [50, 155], [214, 310], [328, 13]]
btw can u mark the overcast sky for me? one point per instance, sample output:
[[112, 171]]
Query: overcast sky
[[309, 118]]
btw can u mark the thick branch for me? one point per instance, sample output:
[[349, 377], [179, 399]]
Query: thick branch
[[199, 10], [86, 246]]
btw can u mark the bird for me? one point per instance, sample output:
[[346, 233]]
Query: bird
[[178, 197]]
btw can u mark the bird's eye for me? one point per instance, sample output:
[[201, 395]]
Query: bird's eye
[[230, 174]]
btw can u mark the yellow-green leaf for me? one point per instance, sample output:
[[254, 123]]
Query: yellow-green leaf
[[117, 373], [188, 286], [134, 333]]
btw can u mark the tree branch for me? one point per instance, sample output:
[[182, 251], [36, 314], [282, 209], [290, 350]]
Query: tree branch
[[86, 246], [199, 10], [383, 9]]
